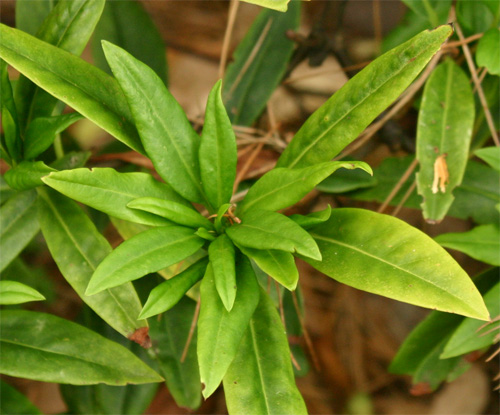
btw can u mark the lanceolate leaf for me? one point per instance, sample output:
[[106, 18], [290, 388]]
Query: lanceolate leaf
[[78, 248], [384, 255], [30, 15], [490, 155], [11, 138], [280, 5], [87, 89], [27, 175], [312, 219], [488, 53], [14, 402], [260, 380], [168, 138], [444, 133], [344, 116], [13, 292], [220, 331], [147, 252], [47, 348], [221, 253], [217, 152]]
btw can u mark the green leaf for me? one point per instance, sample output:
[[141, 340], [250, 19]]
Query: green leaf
[[260, 380], [47, 348], [345, 115], [147, 252], [283, 187], [14, 402], [71, 160], [490, 155], [221, 253], [167, 136], [88, 90], [444, 134], [217, 153], [30, 14], [128, 25], [173, 211], [280, 5], [11, 139], [343, 181], [260, 61], [481, 243], [488, 52], [169, 293], [386, 256], [220, 331], [107, 190], [473, 16], [77, 249], [13, 292], [261, 229], [27, 175], [424, 8], [42, 131], [18, 225], [312, 219]]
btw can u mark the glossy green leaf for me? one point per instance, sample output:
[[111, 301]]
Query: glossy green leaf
[[170, 141], [488, 51], [18, 225], [283, 187], [42, 131], [87, 89], [481, 243], [260, 380], [222, 256], [473, 16], [169, 293], [27, 175], [31, 14], [345, 115], [45, 347], [217, 153], [173, 211], [128, 25], [312, 219], [386, 256], [11, 138], [280, 5], [490, 155], [261, 229], [207, 235], [77, 249], [220, 331], [260, 61], [13, 402], [147, 252], [444, 134], [109, 191], [343, 181], [13, 292]]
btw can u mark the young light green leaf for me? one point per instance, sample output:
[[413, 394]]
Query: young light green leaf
[[312, 219], [280, 5], [147, 252], [32, 349], [27, 175], [283, 187], [488, 52], [444, 134], [170, 141], [87, 89], [77, 248], [109, 191], [11, 138], [221, 253], [168, 293], [30, 14], [490, 155], [18, 225], [261, 229], [217, 153], [344, 116], [173, 211], [13, 292], [384, 255], [260, 380], [481, 243], [207, 235], [14, 402], [220, 331]]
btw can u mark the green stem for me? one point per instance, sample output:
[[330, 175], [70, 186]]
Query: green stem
[[58, 147]]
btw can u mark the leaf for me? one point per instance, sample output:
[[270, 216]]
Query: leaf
[[488, 54], [30, 14], [444, 134], [424, 8], [107, 190], [490, 155], [343, 181], [280, 5], [147, 252], [14, 402], [166, 134], [88, 90], [11, 139], [345, 115], [384, 255], [42, 131], [18, 225], [260, 380], [77, 249], [217, 153], [481, 243], [312, 219], [262, 229], [259, 62], [13, 292], [221, 253], [473, 17], [169, 293], [220, 331], [27, 175], [128, 25], [173, 211], [47, 348]]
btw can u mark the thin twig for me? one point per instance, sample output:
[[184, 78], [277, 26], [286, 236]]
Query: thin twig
[[398, 185], [408, 193], [481, 77], [247, 165], [493, 355], [457, 43], [307, 338], [233, 9], [191, 330]]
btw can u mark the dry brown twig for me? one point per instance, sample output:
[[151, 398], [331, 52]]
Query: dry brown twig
[[398, 185], [233, 10]]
